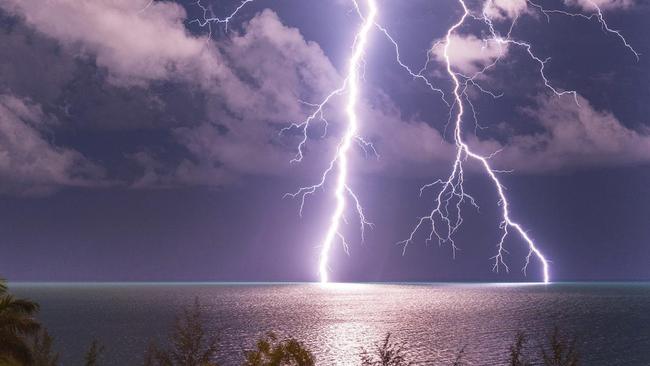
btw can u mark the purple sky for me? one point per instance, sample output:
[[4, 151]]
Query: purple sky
[[135, 147]]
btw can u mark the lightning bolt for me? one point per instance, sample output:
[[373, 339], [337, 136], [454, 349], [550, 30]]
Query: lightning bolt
[[451, 195], [452, 192], [597, 15], [209, 18], [340, 161], [350, 87], [342, 151], [453, 187]]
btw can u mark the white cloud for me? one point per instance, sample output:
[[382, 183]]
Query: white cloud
[[29, 163], [573, 136], [282, 68], [469, 54], [253, 82], [505, 9], [588, 5], [134, 46]]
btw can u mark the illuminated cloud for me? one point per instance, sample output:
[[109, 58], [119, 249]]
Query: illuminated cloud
[[136, 48], [588, 5], [253, 82], [505, 9], [469, 54], [29, 162], [573, 136], [130, 44]]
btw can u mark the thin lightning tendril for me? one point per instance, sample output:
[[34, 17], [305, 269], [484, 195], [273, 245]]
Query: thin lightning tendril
[[451, 194], [598, 15], [208, 21], [340, 162], [342, 151], [349, 87]]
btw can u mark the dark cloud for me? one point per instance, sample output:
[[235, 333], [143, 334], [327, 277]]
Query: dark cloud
[[32, 65], [29, 162], [134, 46], [222, 103], [573, 135]]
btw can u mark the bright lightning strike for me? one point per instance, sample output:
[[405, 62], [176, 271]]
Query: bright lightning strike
[[451, 195], [340, 162], [342, 150], [453, 186], [452, 192]]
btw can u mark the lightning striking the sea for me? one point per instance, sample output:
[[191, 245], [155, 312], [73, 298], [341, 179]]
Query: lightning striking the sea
[[340, 162], [342, 150], [452, 191], [445, 219]]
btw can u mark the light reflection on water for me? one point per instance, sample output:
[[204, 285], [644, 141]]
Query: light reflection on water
[[337, 321]]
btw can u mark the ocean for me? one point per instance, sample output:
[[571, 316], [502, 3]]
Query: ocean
[[610, 321]]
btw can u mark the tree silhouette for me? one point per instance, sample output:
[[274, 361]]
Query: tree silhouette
[[271, 351], [92, 356], [190, 345], [387, 353], [517, 351], [42, 350], [17, 324], [560, 351]]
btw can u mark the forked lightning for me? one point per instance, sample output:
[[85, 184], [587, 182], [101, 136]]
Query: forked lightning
[[445, 219]]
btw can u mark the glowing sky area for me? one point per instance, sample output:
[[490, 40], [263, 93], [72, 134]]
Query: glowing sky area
[[367, 140]]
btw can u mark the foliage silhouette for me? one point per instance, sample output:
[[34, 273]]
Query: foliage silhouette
[[190, 344], [459, 358], [92, 356], [387, 353], [557, 351], [560, 351], [271, 351], [42, 350], [17, 323], [517, 357]]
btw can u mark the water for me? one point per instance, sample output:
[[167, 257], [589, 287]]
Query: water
[[610, 321]]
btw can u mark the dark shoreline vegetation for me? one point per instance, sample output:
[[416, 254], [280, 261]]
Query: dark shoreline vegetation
[[25, 342]]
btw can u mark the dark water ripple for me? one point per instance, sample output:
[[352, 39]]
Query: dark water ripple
[[611, 321]]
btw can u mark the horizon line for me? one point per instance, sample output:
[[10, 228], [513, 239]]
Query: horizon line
[[260, 283]]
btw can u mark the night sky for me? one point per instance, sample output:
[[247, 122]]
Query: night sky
[[134, 147]]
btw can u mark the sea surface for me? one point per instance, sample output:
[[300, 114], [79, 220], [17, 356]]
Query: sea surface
[[611, 321]]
